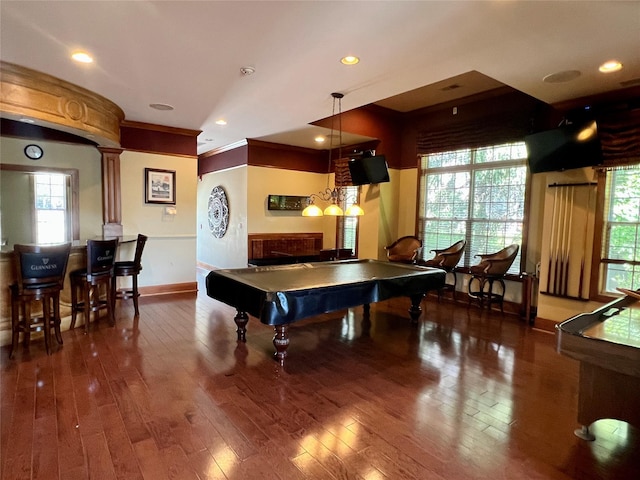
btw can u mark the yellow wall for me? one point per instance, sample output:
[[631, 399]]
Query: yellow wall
[[170, 253], [85, 158], [230, 251], [264, 181]]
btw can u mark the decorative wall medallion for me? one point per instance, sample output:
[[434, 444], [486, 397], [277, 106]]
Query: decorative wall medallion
[[218, 212]]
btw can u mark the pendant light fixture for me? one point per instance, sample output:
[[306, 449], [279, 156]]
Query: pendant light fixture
[[337, 194]]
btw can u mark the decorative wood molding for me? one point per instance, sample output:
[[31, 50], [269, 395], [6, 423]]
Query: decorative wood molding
[[187, 287], [159, 139], [56, 103], [111, 191], [160, 128]]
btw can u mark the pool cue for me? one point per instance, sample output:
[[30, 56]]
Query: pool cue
[[553, 224], [558, 265], [566, 266]]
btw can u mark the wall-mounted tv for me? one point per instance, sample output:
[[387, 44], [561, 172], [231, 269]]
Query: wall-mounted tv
[[574, 145], [368, 170]]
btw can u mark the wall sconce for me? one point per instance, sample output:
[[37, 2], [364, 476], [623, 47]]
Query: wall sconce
[[170, 211]]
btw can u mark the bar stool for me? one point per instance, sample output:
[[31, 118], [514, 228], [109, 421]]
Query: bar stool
[[86, 283], [130, 269], [447, 259], [491, 270], [40, 272], [404, 250]]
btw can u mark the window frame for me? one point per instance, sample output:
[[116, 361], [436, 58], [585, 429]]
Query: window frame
[[73, 204], [341, 223], [471, 167], [599, 262]]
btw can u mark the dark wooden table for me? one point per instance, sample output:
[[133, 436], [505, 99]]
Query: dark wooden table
[[283, 294]]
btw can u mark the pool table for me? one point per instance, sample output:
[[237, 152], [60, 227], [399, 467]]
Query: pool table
[[607, 344], [283, 294]]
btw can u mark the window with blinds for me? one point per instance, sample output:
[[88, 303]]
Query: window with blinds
[[620, 259], [473, 194], [347, 229]]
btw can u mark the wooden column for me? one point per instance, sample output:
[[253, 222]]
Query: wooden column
[[111, 192]]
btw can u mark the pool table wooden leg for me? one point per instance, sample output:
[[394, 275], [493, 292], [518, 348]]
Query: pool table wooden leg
[[281, 342], [241, 320], [415, 310]]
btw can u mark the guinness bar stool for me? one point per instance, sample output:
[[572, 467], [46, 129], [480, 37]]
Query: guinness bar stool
[[91, 287], [40, 271], [130, 269]]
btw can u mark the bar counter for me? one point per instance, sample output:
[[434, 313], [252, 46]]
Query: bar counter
[[77, 259]]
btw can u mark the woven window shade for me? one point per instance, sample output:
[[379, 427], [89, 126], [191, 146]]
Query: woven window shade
[[620, 139], [493, 130], [343, 175]]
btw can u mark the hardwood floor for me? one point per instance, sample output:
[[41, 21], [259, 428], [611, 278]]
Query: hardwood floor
[[464, 395]]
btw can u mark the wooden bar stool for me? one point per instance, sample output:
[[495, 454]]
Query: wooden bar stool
[[491, 270], [40, 271], [86, 283], [130, 269], [404, 250], [447, 259]]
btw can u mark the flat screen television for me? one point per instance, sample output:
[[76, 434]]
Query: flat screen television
[[574, 145], [368, 170]]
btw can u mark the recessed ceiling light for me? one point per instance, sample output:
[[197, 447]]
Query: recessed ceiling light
[[561, 77], [82, 57], [221, 122], [320, 139], [349, 60], [161, 106], [610, 66]]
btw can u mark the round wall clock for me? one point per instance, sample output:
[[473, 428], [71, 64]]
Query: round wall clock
[[34, 152], [218, 212]]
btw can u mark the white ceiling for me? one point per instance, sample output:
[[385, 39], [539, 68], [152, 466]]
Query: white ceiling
[[189, 54]]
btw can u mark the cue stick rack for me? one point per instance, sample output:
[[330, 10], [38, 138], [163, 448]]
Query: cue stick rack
[[567, 240]]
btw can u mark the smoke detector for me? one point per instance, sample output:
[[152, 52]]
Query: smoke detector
[[246, 71]]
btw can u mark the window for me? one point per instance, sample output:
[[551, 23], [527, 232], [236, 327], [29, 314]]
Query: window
[[473, 194], [50, 194], [620, 262], [347, 228]]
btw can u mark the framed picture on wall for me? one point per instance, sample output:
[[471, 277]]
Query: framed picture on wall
[[159, 186]]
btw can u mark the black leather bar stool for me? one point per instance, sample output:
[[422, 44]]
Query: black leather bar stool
[[40, 271], [92, 287], [130, 269]]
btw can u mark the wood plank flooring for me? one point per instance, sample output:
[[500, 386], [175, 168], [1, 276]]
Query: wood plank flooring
[[172, 395]]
